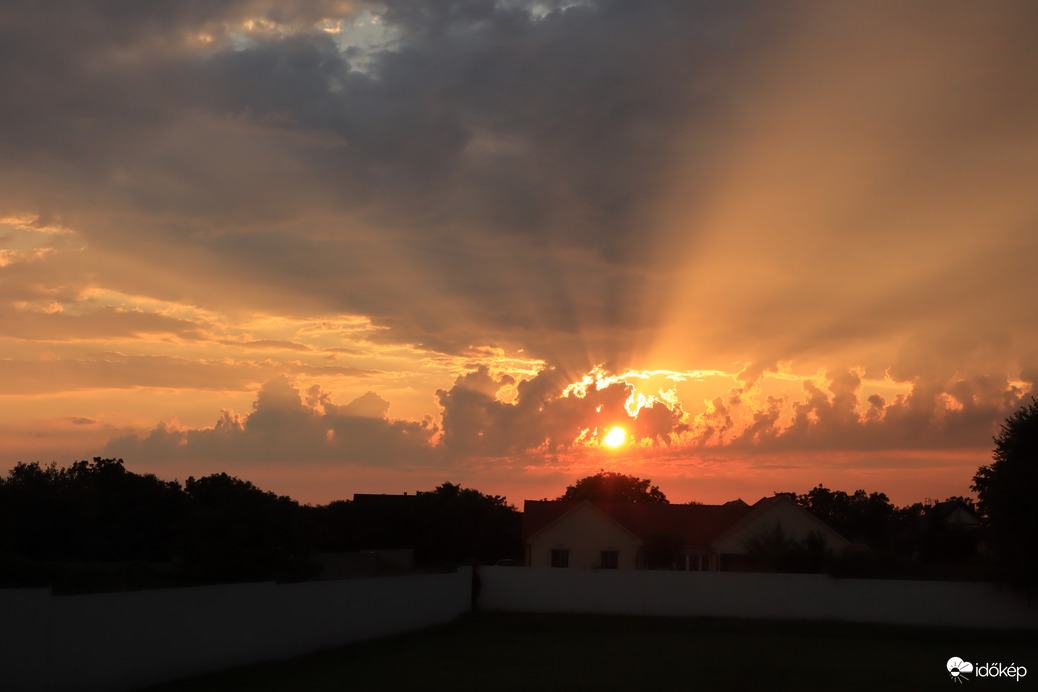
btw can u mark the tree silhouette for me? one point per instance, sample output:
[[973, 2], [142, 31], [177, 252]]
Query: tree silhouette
[[610, 486], [445, 527], [94, 526], [459, 525], [238, 532], [91, 526], [1006, 490], [862, 517]]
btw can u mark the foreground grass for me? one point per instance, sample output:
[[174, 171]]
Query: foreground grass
[[578, 652]]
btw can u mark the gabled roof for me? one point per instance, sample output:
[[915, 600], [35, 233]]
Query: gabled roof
[[694, 524], [762, 505], [951, 514], [943, 510]]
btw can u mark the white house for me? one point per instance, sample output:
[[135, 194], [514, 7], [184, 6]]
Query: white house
[[609, 535]]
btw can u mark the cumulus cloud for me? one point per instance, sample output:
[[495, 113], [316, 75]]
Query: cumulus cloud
[[504, 426], [547, 414], [544, 418], [283, 428], [833, 416]]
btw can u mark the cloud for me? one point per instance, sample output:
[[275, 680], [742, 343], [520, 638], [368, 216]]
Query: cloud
[[283, 428], [104, 324], [523, 147], [113, 370], [80, 420], [930, 415], [832, 201], [563, 178], [547, 415], [272, 344], [870, 211], [504, 428]]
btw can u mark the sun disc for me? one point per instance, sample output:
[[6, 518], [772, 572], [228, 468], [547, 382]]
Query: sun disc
[[615, 437]]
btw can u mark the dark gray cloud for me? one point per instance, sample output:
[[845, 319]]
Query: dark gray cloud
[[505, 162]]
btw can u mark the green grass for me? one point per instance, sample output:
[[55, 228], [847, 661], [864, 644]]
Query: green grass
[[586, 652]]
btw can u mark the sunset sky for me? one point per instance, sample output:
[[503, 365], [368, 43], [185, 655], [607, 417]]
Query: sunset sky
[[336, 247]]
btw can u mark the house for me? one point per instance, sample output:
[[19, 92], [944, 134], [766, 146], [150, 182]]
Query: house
[[948, 532], [953, 514], [611, 535]]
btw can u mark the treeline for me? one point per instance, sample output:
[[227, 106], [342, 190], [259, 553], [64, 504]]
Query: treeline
[[872, 520], [95, 526], [916, 540]]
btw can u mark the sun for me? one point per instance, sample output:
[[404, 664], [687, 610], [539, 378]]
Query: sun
[[615, 437]]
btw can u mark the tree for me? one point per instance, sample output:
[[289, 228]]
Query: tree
[[610, 486], [238, 532], [1006, 490], [92, 510], [457, 525], [445, 527], [861, 517], [89, 527]]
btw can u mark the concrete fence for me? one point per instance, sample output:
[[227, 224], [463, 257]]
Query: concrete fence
[[744, 595], [123, 641]]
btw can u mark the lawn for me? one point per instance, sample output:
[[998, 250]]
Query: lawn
[[589, 652]]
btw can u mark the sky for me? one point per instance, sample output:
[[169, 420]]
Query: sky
[[335, 247]]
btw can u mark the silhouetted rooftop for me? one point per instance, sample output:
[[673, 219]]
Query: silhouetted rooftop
[[694, 524], [373, 499]]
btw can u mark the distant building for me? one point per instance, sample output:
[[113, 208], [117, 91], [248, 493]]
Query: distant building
[[384, 501], [948, 532], [954, 514], [610, 535]]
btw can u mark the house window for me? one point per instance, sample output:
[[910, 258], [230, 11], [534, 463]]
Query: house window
[[610, 559], [560, 558]]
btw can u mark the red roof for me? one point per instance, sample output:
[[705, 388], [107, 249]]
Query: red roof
[[694, 524]]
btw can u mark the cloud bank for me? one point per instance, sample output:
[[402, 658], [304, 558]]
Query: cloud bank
[[468, 206]]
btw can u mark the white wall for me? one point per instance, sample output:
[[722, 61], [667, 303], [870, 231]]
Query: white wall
[[127, 640], [24, 626], [745, 595], [122, 641], [585, 532]]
